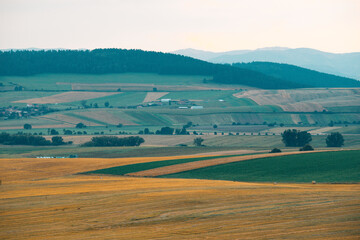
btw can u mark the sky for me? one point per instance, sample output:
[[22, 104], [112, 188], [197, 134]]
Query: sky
[[167, 25]]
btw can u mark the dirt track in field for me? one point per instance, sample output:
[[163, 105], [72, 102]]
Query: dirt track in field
[[67, 97], [205, 163]]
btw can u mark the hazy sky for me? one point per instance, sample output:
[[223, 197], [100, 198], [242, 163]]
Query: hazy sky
[[166, 25]]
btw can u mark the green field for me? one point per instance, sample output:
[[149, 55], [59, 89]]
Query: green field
[[49, 81], [122, 170], [342, 166]]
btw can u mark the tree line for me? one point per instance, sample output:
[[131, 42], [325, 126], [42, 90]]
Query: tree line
[[104, 61], [29, 139], [112, 141]]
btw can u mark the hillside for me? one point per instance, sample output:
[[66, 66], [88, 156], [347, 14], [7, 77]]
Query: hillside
[[298, 74], [105, 61], [344, 64]]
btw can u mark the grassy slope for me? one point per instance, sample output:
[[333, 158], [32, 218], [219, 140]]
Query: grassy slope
[[48, 81], [342, 166]]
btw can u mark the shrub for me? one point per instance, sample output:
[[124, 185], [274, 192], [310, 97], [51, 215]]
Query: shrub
[[275, 150], [307, 147], [80, 125]]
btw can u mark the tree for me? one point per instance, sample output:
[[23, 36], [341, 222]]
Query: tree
[[198, 141], [57, 140], [80, 125], [215, 126], [119, 125], [165, 131], [54, 132], [181, 131], [106, 104], [146, 131], [27, 126], [295, 138], [335, 139]]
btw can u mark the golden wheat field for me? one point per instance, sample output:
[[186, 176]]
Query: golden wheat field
[[42, 199]]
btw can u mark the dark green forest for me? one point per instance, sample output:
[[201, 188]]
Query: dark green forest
[[104, 61], [298, 74]]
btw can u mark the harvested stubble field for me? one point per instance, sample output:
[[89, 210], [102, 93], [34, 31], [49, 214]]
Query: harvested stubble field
[[304, 101], [153, 96], [103, 207]]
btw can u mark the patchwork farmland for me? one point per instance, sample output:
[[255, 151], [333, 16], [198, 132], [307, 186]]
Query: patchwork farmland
[[231, 187]]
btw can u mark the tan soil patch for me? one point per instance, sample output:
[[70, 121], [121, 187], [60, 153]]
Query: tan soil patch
[[153, 96], [310, 119], [67, 97], [201, 164], [150, 140], [295, 118], [323, 130], [304, 100]]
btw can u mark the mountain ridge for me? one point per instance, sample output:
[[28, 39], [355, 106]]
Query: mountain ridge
[[342, 64]]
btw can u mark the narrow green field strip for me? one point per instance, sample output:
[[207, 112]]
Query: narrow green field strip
[[81, 117], [122, 170], [328, 167]]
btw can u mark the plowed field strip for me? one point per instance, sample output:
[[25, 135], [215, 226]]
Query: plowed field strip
[[67, 97], [201, 164]]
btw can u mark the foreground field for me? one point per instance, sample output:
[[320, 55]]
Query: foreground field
[[93, 207], [42, 199]]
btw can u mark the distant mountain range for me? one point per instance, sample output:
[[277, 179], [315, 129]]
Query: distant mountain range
[[342, 64]]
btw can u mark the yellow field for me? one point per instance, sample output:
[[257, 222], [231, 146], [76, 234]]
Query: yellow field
[[40, 199], [67, 97], [153, 96]]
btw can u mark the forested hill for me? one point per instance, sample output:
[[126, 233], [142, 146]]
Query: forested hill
[[298, 74], [102, 61]]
